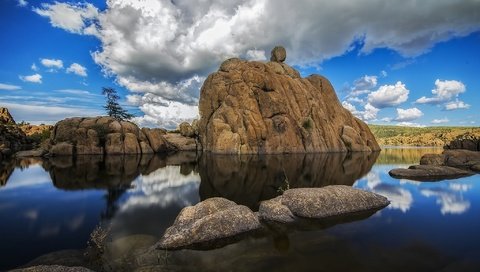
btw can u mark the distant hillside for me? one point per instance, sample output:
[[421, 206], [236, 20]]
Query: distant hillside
[[428, 136]]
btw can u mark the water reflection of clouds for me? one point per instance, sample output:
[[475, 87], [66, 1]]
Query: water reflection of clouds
[[400, 198], [403, 193], [163, 187], [450, 200]]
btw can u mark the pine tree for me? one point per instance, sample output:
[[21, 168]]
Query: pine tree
[[112, 107]]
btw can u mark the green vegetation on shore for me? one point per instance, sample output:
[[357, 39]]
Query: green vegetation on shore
[[426, 136]]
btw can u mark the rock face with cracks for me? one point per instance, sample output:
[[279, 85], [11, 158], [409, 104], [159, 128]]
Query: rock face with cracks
[[254, 107]]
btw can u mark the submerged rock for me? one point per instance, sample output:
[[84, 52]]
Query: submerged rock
[[254, 107], [429, 172], [53, 268], [320, 203], [208, 223], [39, 152]]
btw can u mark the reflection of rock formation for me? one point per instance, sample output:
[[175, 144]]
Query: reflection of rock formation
[[99, 172], [249, 179], [113, 173], [6, 169]]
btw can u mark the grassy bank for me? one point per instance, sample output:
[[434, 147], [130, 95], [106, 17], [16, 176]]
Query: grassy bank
[[427, 136]]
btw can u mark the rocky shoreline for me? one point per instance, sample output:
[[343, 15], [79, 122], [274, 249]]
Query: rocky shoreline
[[451, 164]]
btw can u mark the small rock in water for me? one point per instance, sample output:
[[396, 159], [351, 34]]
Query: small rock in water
[[207, 223], [330, 201], [53, 268], [429, 172], [319, 203]]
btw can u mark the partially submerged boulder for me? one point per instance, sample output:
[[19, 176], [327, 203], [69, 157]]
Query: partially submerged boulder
[[53, 268], [320, 203], [207, 223], [254, 107], [429, 172], [217, 221], [39, 152]]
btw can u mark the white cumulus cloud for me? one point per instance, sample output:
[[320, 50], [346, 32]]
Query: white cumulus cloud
[[22, 3], [75, 18], [151, 44], [409, 124], [456, 105], [52, 63], [77, 69], [440, 121], [8, 87], [255, 55], [445, 90], [405, 115], [368, 114], [389, 95], [35, 78]]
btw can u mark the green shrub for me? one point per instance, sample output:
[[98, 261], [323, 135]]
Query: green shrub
[[307, 123]]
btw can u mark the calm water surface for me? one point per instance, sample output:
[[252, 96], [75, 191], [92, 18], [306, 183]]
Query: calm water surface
[[49, 206]]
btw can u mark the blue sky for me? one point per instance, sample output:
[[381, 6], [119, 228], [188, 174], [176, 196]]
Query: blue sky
[[405, 63]]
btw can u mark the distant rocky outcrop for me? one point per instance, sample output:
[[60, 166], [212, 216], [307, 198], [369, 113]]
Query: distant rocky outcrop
[[451, 164], [109, 136], [5, 117], [467, 142], [254, 107], [448, 137], [12, 138]]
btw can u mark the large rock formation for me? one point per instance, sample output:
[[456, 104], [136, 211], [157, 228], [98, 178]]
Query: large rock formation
[[106, 135], [255, 107], [96, 136]]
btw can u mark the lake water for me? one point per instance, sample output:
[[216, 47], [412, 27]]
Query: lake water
[[49, 206]]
